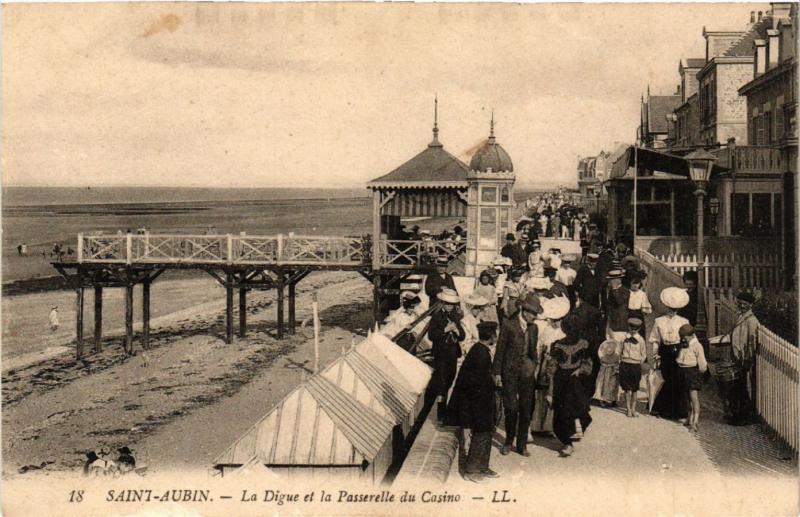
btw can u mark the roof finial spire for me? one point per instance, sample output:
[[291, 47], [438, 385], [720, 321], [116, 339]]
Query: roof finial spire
[[435, 141], [491, 128]]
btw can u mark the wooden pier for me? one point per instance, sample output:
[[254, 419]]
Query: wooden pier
[[239, 263]]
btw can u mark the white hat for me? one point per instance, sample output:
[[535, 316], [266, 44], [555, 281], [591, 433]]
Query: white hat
[[407, 295], [555, 308], [501, 261], [448, 296], [538, 282], [475, 300], [675, 297]]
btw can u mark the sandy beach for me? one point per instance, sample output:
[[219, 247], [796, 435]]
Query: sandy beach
[[186, 399]]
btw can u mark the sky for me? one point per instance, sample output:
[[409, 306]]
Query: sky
[[327, 95]]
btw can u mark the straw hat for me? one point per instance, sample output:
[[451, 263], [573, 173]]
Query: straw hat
[[569, 257], [592, 256], [448, 296], [407, 295], [606, 352], [538, 283], [675, 297], [556, 308], [475, 300], [615, 273]]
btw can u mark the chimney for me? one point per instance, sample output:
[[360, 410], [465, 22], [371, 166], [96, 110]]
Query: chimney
[[760, 62], [773, 46]]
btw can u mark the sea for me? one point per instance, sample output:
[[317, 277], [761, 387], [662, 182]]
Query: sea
[[41, 217]]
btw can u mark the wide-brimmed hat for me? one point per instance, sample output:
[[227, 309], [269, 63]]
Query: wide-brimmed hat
[[615, 273], [592, 256], [555, 308], [448, 296], [538, 283], [442, 260], [746, 297], [675, 297], [630, 260], [530, 304], [569, 257], [607, 352], [475, 300], [502, 261], [54, 307], [635, 322]]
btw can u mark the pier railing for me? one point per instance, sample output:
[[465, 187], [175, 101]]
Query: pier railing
[[732, 270], [231, 249]]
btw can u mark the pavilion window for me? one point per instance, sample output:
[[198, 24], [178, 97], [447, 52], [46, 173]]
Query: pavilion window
[[504, 195], [762, 212], [740, 212], [473, 194], [488, 194], [488, 228]]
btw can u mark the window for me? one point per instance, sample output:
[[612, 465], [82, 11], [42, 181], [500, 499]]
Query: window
[[504, 195], [777, 213], [768, 128], [740, 213], [488, 229], [762, 213], [489, 194], [473, 194]]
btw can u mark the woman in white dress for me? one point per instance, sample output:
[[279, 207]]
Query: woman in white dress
[[553, 311]]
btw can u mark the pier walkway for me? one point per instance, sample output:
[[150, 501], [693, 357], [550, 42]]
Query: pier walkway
[[238, 262]]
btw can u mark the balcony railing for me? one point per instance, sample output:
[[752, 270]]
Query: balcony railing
[[752, 158]]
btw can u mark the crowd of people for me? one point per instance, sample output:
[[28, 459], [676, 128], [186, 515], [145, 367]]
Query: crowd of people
[[549, 335]]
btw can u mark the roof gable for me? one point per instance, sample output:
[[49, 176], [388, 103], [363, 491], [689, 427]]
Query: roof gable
[[432, 165], [744, 46]]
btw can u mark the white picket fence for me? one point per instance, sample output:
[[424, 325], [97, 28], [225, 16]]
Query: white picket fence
[[732, 270], [776, 390]]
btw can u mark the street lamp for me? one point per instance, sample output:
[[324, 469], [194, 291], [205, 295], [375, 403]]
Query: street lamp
[[700, 164]]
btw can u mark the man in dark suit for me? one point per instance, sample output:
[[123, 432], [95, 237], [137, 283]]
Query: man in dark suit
[[616, 304], [515, 252], [690, 310], [587, 281], [446, 333], [514, 369], [591, 327], [472, 404], [435, 282]]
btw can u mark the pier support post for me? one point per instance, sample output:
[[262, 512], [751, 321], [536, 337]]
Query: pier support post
[[280, 306], [98, 317], [229, 307], [292, 322], [79, 322], [242, 312], [376, 300], [146, 314], [129, 317]]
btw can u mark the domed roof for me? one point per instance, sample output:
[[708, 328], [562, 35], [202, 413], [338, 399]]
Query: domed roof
[[491, 156]]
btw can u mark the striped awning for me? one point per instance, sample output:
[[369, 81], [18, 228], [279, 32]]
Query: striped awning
[[426, 203]]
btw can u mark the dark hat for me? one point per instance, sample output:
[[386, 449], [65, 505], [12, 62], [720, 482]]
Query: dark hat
[[516, 272], [686, 330], [411, 302], [530, 304], [635, 322], [442, 260], [124, 450], [510, 237], [487, 325], [746, 297], [690, 275]]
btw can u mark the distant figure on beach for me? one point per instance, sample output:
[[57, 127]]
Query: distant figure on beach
[[125, 462], [19, 249], [24, 249], [53, 317]]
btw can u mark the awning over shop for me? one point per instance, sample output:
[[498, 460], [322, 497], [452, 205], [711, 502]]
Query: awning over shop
[[650, 161]]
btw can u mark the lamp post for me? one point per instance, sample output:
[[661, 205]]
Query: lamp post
[[700, 164], [597, 194]]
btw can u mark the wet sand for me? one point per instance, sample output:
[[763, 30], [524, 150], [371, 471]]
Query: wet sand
[[186, 399]]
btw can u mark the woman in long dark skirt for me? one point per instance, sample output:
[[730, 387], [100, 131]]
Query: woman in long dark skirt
[[665, 338], [570, 370]]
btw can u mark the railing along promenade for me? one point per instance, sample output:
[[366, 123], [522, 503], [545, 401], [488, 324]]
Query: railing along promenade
[[281, 249], [777, 367]]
